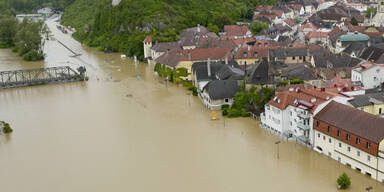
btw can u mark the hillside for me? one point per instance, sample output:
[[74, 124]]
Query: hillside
[[122, 28], [18, 6]]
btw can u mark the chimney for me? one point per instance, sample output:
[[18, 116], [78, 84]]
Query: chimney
[[198, 28], [226, 60], [209, 67]]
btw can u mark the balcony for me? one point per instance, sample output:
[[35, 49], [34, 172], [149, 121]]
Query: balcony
[[304, 115], [302, 126]]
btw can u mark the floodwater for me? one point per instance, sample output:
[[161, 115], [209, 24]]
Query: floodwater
[[118, 132]]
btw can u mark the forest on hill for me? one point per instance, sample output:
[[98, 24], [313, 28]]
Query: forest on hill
[[122, 28]]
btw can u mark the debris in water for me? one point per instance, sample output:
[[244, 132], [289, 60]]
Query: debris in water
[[129, 95]]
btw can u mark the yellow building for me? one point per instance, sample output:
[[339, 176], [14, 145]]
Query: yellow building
[[370, 103]]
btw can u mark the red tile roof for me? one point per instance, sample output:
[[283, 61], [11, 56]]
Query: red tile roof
[[235, 30], [148, 39], [355, 121], [290, 22], [299, 96], [316, 34]]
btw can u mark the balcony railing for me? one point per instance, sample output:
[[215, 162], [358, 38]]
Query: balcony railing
[[303, 126], [304, 115]]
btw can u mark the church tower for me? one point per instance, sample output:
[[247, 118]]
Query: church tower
[[147, 47]]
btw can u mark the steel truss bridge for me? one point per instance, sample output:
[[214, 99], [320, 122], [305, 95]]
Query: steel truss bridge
[[50, 75]]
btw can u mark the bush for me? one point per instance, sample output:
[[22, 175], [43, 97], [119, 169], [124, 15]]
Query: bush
[[5, 126], [344, 181]]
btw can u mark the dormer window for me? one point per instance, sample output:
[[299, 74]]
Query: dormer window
[[245, 54], [265, 44], [259, 44], [255, 54]]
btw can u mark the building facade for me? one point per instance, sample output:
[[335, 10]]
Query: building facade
[[355, 142]]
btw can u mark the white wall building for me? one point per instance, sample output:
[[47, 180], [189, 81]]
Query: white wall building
[[368, 74], [290, 113]]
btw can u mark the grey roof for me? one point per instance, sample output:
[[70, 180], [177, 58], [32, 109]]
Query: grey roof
[[229, 72], [221, 89], [282, 53], [163, 47], [372, 53], [201, 70], [191, 36], [335, 61], [259, 74], [300, 72], [356, 47], [368, 99]]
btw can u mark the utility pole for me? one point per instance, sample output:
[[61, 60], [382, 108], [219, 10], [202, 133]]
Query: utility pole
[[277, 143]]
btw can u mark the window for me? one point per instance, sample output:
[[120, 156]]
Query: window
[[265, 44], [259, 44], [339, 159], [338, 133], [293, 58], [348, 137], [318, 135], [290, 113], [368, 145], [317, 124], [330, 140], [324, 138], [369, 158], [255, 54], [245, 54], [358, 153], [340, 145], [329, 154], [349, 149], [379, 111], [226, 100], [329, 129], [291, 123], [357, 140]]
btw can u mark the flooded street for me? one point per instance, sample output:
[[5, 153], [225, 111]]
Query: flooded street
[[121, 133]]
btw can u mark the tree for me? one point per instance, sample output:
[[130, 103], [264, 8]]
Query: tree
[[354, 21], [257, 26], [344, 181], [369, 11], [7, 31]]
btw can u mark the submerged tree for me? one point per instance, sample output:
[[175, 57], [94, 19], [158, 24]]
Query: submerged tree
[[344, 181]]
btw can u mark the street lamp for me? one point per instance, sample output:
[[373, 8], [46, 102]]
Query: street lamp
[[277, 144], [189, 98], [368, 188]]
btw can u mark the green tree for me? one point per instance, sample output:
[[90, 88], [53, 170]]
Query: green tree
[[28, 40], [257, 26], [5, 127], [354, 21], [344, 181], [7, 31], [213, 28], [370, 11]]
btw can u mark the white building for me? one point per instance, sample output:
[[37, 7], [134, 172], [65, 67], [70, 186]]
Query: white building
[[290, 113], [370, 75]]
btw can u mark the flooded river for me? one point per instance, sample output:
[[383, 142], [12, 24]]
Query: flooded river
[[121, 133]]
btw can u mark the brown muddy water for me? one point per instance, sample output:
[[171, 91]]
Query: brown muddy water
[[118, 132]]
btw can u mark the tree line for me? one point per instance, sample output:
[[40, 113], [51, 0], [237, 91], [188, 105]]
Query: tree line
[[24, 37]]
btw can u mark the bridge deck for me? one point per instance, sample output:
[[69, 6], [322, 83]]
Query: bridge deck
[[30, 77]]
